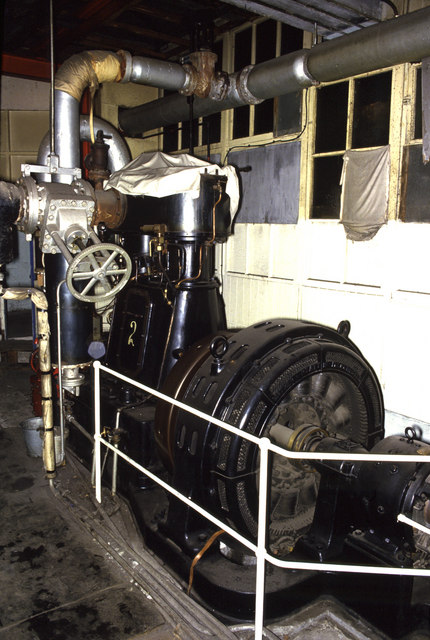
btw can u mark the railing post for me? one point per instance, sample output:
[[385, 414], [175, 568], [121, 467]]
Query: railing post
[[97, 436], [261, 539]]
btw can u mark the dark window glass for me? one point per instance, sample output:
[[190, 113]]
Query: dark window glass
[[415, 186], [242, 49], [170, 133], [263, 117], [186, 134], [291, 39], [288, 108], [241, 122], [265, 49], [170, 138], [265, 41], [211, 129], [371, 118], [242, 57], [326, 197], [418, 132], [332, 109]]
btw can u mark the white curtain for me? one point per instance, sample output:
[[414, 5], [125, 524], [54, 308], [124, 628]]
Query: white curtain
[[364, 201]]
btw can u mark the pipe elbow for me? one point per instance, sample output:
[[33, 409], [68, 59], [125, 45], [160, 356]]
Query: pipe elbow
[[89, 69]]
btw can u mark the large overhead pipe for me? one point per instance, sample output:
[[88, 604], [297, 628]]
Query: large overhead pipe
[[396, 41]]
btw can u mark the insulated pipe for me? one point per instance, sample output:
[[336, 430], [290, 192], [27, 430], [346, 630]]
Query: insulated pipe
[[66, 133], [88, 70], [41, 303], [396, 41], [156, 73], [119, 155]]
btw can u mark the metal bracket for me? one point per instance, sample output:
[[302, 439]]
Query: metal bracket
[[52, 167]]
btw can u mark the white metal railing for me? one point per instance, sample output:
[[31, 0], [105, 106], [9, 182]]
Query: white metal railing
[[265, 446]]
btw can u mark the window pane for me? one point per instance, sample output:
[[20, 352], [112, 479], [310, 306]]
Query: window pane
[[241, 122], [242, 57], [242, 49], [288, 108], [332, 108], [326, 198], [291, 39], [415, 186], [186, 134], [211, 129], [263, 117], [265, 43], [170, 138], [418, 133], [371, 124]]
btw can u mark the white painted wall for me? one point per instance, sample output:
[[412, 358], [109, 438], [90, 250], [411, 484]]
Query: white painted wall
[[311, 271]]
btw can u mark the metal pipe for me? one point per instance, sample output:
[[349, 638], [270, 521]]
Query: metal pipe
[[119, 154], [395, 41], [66, 133], [157, 73], [60, 370], [40, 301]]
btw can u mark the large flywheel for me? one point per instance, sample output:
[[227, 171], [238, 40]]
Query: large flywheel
[[270, 376]]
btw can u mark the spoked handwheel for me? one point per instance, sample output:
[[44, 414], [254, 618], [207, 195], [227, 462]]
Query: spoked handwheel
[[98, 272]]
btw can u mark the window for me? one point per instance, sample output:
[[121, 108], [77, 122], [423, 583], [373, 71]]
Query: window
[[415, 183], [350, 115], [255, 45], [205, 131]]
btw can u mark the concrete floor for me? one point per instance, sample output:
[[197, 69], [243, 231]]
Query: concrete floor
[[64, 573]]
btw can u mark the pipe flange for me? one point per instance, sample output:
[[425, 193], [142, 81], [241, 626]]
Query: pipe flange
[[191, 80], [126, 65], [29, 218], [301, 71], [242, 86]]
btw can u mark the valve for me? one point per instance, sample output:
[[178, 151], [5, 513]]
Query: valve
[[102, 271]]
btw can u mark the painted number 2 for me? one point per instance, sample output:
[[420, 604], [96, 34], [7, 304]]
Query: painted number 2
[[133, 327]]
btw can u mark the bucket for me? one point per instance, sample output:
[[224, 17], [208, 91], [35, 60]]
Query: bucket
[[33, 436]]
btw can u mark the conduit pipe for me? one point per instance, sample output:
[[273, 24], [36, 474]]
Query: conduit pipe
[[395, 41]]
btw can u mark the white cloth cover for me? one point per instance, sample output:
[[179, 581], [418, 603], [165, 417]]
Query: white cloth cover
[[159, 174], [364, 202]]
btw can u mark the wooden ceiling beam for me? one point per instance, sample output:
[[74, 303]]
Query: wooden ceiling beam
[[93, 16], [150, 33], [161, 15], [135, 48]]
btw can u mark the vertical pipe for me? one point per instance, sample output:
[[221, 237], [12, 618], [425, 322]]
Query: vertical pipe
[[261, 539], [97, 436], [46, 392], [60, 369], [52, 99], [67, 136]]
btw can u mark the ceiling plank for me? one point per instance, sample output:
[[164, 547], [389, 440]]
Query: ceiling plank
[[150, 33], [92, 17]]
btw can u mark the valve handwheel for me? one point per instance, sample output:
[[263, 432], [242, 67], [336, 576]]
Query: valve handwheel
[[104, 264]]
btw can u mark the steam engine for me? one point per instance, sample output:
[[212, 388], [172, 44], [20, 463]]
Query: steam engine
[[305, 386]]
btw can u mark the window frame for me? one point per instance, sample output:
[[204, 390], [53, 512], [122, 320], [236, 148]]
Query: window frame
[[394, 140]]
